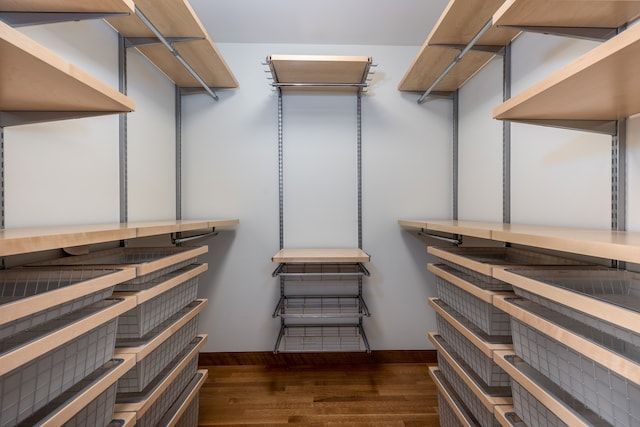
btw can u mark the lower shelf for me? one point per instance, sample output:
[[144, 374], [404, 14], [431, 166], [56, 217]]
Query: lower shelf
[[321, 338], [321, 306]]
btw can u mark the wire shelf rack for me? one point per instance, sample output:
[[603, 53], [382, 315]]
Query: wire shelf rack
[[30, 297], [320, 271], [533, 412], [488, 318], [37, 382], [451, 409], [313, 338], [146, 316], [150, 263], [484, 258], [349, 306], [606, 392], [149, 366], [603, 287]]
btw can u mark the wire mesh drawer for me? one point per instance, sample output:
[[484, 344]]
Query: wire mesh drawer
[[479, 360], [303, 338], [184, 411], [481, 412], [597, 297], [508, 418], [484, 315], [153, 403], [147, 315], [152, 363], [307, 306], [320, 271], [612, 396], [30, 297], [451, 409], [478, 262], [34, 384], [539, 402], [150, 263]]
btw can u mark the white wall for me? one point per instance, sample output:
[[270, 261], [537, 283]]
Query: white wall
[[230, 148], [558, 177], [67, 172]]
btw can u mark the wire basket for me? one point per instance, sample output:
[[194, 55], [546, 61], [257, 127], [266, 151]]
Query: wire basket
[[144, 317], [146, 369], [607, 393], [497, 256], [320, 271], [183, 368], [188, 398], [35, 384], [489, 319], [606, 286], [484, 367], [30, 297], [447, 414], [535, 413], [150, 263], [312, 338], [484, 417]]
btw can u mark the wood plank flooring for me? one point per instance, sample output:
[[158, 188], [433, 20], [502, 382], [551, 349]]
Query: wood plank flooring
[[352, 395]]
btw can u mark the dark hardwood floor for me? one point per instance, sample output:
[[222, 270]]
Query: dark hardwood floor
[[373, 394]]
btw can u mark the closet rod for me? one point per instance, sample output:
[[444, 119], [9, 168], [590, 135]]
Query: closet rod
[[361, 85], [175, 53], [457, 59]]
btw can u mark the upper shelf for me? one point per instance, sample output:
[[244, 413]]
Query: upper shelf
[[176, 19], [321, 255], [597, 88], [616, 245], [571, 14], [319, 72], [37, 85], [68, 6], [457, 26], [33, 239]]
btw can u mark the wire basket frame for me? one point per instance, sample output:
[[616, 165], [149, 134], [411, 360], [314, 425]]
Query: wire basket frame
[[446, 413], [320, 271]]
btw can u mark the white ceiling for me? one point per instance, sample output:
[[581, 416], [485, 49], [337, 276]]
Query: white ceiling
[[351, 22]]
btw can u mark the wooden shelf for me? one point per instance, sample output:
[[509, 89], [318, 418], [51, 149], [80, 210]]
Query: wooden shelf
[[37, 85], [616, 245], [458, 25], [567, 13], [68, 6], [321, 255], [34, 239], [319, 70], [599, 86], [176, 18]]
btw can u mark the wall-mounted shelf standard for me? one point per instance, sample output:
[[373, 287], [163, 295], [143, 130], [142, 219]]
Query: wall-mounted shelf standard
[[461, 43], [591, 93], [171, 36], [37, 85], [593, 20], [318, 72]]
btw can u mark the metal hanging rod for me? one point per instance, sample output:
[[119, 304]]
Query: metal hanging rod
[[338, 85], [175, 53], [456, 241], [456, 60], [150, 41], [176, 238]]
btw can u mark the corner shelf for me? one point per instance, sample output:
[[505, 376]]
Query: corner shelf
[[176, 19], [38, 85], [319, 72], [457, 26]]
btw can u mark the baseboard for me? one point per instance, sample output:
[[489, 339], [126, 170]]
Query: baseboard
[[289, 359]]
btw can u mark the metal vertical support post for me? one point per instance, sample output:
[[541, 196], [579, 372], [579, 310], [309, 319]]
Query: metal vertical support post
[[2, 213], [280, 170], [359, 166], [506, 138], [178, 118], [122, 85], [619, 177], [455, 154]]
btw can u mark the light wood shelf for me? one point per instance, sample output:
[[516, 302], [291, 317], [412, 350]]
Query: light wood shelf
[[176, 18], [319, 70], [38, 85], [567, 13], [68, 6], [458, 25], [329, 255], [601, 85], [33, 239], [608, 244]]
